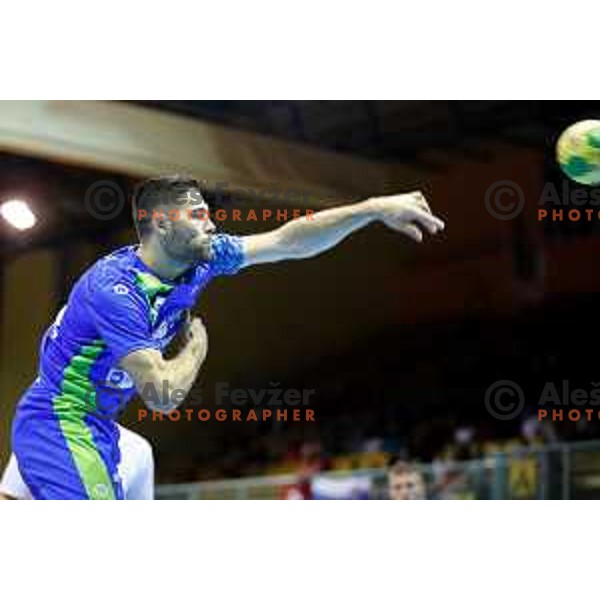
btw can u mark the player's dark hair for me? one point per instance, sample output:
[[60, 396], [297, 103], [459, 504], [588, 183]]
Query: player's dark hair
[[159, 191]]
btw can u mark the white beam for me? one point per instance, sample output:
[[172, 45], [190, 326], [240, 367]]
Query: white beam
[[139, 141]]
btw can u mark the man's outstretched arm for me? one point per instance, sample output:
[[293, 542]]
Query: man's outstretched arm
[[407, 213]]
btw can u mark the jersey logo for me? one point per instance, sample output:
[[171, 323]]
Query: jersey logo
[[100, 491], [120, 379], [120, 289]]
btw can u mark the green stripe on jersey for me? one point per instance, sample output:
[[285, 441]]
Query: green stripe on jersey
[[151, 286], [77, 398]]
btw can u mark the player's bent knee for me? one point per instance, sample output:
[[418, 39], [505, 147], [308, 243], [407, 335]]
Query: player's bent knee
[[4, 496]]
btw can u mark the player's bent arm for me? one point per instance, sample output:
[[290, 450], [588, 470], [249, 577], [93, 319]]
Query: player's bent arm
[[311, 235], [156, 379]]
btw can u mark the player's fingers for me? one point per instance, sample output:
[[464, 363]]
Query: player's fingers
[[428, 221], [421, 201], [412, 231]]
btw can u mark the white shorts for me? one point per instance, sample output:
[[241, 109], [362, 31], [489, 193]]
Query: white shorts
[[136, 470]]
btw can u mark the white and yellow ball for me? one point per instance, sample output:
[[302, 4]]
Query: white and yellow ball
[[578, 152]]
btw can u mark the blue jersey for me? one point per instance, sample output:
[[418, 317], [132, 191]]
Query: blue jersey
[[118, 306]]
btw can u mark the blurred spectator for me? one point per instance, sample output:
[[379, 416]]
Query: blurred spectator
[[297, 491], [405, 482]]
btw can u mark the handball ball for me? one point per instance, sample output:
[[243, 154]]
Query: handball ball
[[578, 152]]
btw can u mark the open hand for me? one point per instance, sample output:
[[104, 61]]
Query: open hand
[[408, 213]]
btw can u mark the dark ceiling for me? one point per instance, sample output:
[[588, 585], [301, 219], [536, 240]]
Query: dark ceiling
[[387, 130]]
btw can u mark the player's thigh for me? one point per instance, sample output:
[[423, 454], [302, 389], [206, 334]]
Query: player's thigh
[[66, 459], [136, 466], [12, 486]]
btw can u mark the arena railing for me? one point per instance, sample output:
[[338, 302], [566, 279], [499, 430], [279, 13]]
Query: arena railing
[[555, 471]]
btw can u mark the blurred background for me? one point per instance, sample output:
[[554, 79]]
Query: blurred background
[[400, 341]]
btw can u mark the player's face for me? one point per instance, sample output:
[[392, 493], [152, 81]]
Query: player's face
[[188, 238], [407, 486]]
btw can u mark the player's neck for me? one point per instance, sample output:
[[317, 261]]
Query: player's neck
[[159, 263]]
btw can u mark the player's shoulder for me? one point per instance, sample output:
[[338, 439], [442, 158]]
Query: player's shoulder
[[113, 273]]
